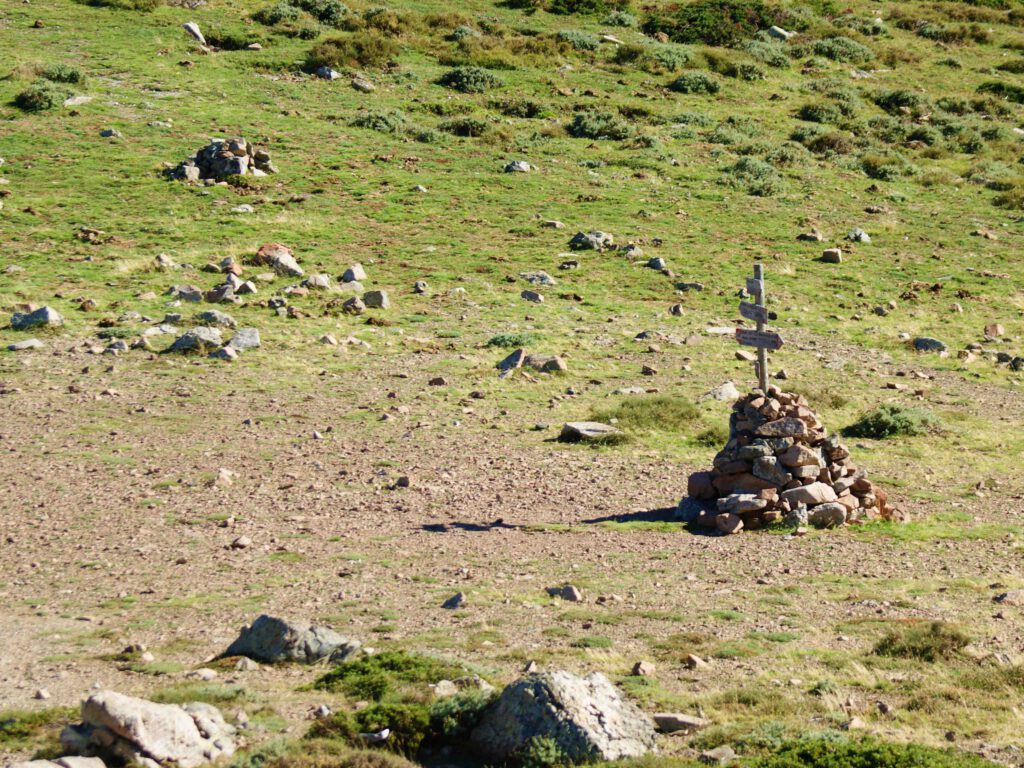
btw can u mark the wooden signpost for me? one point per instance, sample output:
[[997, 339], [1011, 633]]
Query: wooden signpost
[[761, 339]]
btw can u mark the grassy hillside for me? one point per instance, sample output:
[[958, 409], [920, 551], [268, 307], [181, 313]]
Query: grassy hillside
[[686, 130]]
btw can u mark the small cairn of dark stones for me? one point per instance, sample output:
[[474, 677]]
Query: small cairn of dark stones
[[781, 466], [222, 158]]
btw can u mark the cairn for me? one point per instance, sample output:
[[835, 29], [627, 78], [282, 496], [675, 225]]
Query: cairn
[[780, 465], [222, 158]]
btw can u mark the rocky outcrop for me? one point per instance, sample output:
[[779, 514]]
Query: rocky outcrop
[[588, 718], [122, 729], [270, 639]]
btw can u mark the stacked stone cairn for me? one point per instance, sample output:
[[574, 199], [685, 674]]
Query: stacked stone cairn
[[781, 466], [222, 158]]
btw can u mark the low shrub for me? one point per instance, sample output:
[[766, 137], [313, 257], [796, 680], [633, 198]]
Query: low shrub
[[755, 176], [280, 13], [62, 73], [695, 81], [619, 19], [599, 125], [843, 49], [469, 127], [819, 112], [1008, 91], [126, 5], [231, 39], [654, 58], [831, 750], [892, 421], [382, 121], [470, 80], [520, 107], [358, 50], [771, 54], [886, 166], [510, 340], [712, 22], [463, 32], [578, 41], [41, 95], [584, 7], [900, 100], [541, 752], [930, 643]]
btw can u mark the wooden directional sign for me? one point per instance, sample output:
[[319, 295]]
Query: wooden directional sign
[[753, 312], [755, 286], [759, 339]]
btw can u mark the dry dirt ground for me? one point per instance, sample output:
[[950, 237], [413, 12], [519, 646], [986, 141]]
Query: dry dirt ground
[[115, 530]]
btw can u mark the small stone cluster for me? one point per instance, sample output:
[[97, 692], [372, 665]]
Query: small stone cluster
[[222, 158], [780, 465]]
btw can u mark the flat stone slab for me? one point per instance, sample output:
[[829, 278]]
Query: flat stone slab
[[587, 431]]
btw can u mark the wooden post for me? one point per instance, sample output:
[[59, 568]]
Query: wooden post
[[762, 353]]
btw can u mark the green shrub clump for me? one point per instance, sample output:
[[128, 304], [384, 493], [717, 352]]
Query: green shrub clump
[[901, 100], [757, 177], [771, 54], [1008, 91], [930, 643], [599, 125], [712, 22], [470, 79], [62, 73], [820, 112], [382, 121], [831, 750], [619, 19], [40, 95], [843, 49], [579, 41], [653, 58], [469, 127], [695, 81], [892, 421], [279, 13], [358, 50]]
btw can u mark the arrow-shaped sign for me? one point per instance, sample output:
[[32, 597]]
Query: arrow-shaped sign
[[759, 339], [755, 287], [753, 312]]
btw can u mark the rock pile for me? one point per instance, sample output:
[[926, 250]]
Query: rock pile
[[124, 730], [780, 465], [222, 158]]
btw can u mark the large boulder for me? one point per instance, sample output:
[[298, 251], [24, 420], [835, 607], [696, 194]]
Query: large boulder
[[124, 729], [587, 717], [44, 317], [270, 639]]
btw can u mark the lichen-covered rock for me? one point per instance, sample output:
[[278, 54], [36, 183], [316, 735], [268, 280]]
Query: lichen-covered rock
[[270, 639], [588, 718], [125, 729]]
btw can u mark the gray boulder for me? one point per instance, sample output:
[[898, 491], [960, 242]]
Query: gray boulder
[[44, 317], [927, 344], [588, 718], [591, 241], [21, 346], [270, 639], [202, 339], [245, 338], [214, 317], [518, 166], [377, 299], [124, 729]]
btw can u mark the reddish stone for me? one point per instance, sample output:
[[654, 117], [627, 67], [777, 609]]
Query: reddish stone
[[700, 485]]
